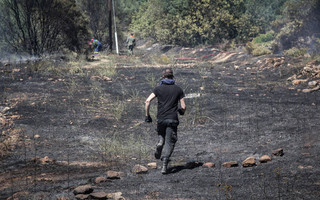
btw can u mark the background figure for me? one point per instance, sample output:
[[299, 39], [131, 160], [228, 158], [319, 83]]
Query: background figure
[[96, 44], [169, 95], [131, 42]]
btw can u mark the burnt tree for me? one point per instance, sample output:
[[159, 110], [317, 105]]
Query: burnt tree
[[42, 26]]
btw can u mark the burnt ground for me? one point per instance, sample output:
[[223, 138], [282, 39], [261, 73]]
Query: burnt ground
[[87, 124]]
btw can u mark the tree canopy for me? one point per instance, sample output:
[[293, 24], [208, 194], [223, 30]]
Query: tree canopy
[[45, 26]]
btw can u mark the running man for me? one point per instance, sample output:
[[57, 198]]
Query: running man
[[169, 95]]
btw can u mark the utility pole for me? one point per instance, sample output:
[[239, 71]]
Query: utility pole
[[110, 25], [115, 28]]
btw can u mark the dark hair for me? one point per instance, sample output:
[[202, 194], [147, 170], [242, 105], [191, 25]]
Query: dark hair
[[167, 73]]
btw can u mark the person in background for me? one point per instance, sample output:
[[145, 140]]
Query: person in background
[[131, 43], [169, 95], [96, 45]]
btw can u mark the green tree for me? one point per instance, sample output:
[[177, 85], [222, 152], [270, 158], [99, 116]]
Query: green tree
[[126, 9], [97, 13], [257, 17], [188, 22]]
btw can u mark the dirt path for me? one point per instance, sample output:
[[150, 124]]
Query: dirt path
[[73, 128]]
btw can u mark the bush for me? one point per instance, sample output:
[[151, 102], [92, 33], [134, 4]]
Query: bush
[[259, 49], [269, 36], [295, 52]]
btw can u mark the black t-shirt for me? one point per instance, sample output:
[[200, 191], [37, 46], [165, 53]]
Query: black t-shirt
[[168, 99]]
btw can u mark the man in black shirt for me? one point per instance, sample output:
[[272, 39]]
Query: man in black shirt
[[169, 95]]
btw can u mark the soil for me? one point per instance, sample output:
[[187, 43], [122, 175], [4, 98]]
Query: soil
[[72, 128]]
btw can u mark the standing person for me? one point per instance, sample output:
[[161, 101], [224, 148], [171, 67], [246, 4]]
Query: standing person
[[131, 42], [96, 44], [169, 95]]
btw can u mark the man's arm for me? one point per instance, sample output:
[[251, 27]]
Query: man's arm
[[183, 108], [147, 106]]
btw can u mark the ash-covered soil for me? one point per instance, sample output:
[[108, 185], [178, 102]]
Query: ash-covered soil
[[71, 128]]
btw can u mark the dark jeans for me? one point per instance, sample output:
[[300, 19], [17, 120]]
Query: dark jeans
[[130, 50], [167, 132]]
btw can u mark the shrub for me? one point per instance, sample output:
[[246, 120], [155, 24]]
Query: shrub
[[164, 59], [267, 37], [259, 49], [75, 67], [295, 52], [249, 47]]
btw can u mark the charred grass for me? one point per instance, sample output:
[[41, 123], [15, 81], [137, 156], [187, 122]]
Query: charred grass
[[88, 117]]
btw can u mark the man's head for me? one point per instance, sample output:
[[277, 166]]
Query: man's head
[[131, 34], [167, 73]]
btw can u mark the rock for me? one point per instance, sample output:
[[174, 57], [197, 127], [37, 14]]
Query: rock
[[82, 196], [115, 196], [130, 77], [63, 198], [18, 195], [264, 159], [139, 169], [278, 152], [291, 78], [36, 136], [312, 83], [307, 69], [208, 165], [100, 179], [306, 90], [83, 189], [305, 167], [4, 109], [152, 165], [46, 160], [249, 162], [114, 175], [277, 64], [230, 164], [98, 195], [104, 78], [3, 121], [299, 81], [311, 90]]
